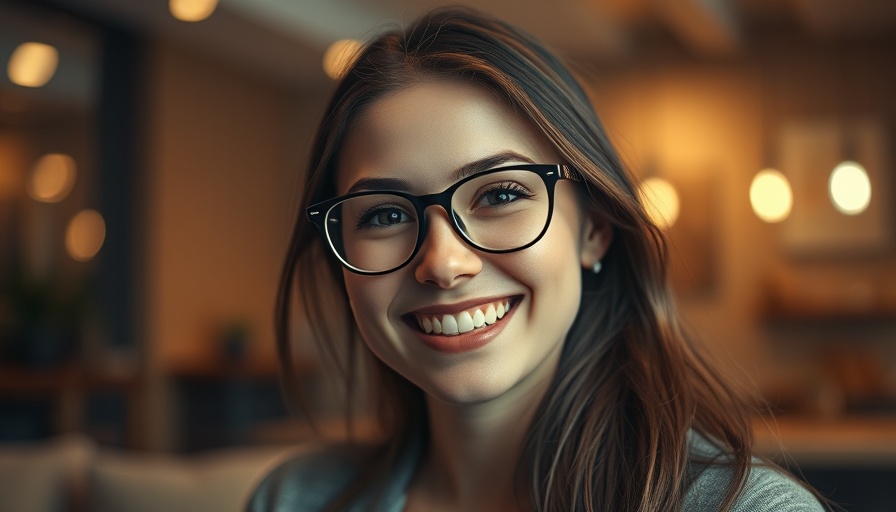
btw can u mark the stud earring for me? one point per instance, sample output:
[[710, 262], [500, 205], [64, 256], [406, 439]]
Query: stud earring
[[596, 267]]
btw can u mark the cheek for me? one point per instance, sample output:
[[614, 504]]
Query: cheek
[[370, 298], [551, 270], [556, 255]]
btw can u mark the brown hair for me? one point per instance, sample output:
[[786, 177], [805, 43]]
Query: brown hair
[[612, 432]]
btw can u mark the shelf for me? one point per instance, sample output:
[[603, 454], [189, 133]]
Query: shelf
[[261, 369], [829, 316], [103, 403], [856, 441], [24, 380]]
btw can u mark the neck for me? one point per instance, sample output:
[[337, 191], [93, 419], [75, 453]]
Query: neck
[[475, 448]]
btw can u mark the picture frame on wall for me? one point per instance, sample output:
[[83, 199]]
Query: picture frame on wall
[[809, 151]]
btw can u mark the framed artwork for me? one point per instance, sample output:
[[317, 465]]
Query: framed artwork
[[809, 150]]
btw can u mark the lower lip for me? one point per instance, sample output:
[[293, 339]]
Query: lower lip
[[467, 341]]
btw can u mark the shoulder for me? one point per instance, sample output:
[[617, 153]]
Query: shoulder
[[767, 488], [305, 482], [311, 481]]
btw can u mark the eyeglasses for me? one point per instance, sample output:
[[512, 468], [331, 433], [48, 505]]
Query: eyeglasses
[[501, 210]]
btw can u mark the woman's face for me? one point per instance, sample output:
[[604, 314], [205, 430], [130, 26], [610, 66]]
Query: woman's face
[[422, 134]]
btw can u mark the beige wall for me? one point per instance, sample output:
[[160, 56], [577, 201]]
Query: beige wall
[[712, 120], [223, 154], [224, 150]]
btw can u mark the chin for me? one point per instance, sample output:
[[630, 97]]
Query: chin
[[474, 386], [468, 394]]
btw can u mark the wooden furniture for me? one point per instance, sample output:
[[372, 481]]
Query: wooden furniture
[[68, 389], [847, 441], [219, 403]]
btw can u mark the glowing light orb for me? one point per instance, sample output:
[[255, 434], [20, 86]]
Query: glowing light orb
[[850, 188], [660, 200], [771, 196], [339, 56], [52, 178], [192, 10], [32, 64], [85, 235]]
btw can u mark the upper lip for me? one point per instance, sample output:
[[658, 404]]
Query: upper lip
[[457, 307]]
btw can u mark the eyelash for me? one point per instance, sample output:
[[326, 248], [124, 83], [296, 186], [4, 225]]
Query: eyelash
[[512, 187], [364, 218]]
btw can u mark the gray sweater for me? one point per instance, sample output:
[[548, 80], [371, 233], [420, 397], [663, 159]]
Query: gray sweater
[[308, 482]]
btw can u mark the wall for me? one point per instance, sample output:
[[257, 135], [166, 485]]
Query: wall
[[223, 153], [717, 121]]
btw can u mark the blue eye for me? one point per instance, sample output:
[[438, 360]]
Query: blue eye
[[383, 216], [502, 194], [496, 197]]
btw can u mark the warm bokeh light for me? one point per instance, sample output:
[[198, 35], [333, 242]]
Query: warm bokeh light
[[771, 196], [192, 10], [661, 201], [32, 64], [850, 188], [52, 178], [85, 235], [339, 57]]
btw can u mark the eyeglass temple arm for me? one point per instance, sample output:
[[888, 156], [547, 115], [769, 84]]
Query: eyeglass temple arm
[[569, 173]]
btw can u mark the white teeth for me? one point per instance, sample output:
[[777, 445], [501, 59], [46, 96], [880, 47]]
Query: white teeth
[[449, 325], [465, 321], [490, 315], [478, 319]]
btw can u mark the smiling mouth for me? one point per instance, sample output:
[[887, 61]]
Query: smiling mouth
[[464, 321]]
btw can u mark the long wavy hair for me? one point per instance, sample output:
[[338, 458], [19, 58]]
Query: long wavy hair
[[612, 431]]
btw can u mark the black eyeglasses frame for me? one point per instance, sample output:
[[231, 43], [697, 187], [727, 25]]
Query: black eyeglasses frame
[[549, 173]]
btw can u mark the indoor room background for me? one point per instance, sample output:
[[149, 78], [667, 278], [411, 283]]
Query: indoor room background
[[151, 168]]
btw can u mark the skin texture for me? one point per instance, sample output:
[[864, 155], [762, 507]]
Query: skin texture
[[479, 401]]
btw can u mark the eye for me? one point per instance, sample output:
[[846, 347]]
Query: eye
[[501, 194], [383, 216]]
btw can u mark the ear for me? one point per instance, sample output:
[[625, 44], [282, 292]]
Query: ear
[[597, 234]]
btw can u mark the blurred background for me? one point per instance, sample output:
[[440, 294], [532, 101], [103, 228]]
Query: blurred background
[[150, 162]]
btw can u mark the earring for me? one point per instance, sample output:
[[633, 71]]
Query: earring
[[596, 267]]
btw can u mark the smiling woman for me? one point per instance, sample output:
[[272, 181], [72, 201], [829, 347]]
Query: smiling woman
[[493, 264], [501, 239]]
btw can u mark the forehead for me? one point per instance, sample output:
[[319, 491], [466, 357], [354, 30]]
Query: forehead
[[423, 132]]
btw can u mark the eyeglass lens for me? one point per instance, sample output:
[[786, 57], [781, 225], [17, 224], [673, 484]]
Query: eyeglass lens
[[498, 211]]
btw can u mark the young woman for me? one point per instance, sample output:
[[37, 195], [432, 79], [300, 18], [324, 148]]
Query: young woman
[[470, 231]]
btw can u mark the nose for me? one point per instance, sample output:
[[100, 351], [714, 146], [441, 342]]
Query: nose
[[445, 260]]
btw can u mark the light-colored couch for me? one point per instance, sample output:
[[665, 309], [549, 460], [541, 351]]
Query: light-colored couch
[[73, 474]]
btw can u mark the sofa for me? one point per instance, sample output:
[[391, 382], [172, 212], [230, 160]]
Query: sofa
[[73, 474]]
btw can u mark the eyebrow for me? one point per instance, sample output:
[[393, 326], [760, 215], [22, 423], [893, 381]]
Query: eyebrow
[[477, 166], [379, 184], [487, 163]]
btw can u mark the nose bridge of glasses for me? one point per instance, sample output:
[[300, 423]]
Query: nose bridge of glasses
[[440, 223], [442, 199], [434, 215]]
